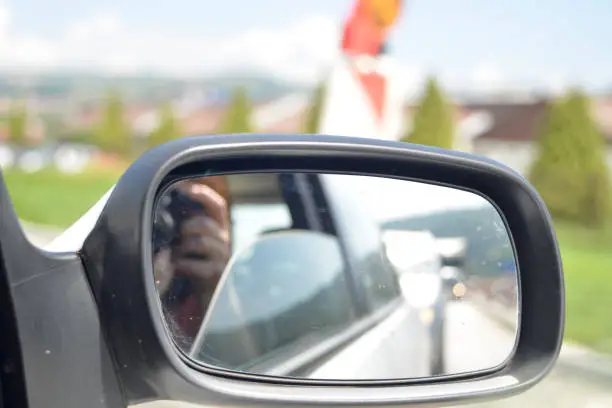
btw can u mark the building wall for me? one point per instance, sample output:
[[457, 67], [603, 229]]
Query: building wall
[[517, 155]]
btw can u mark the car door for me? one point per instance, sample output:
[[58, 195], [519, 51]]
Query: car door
[[397, 326], [260, 315]]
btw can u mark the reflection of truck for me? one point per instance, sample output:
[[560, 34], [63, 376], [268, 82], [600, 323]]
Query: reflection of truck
[[418, 262]]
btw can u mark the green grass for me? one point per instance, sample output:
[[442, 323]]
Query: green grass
[[587, 262], [51, 198]]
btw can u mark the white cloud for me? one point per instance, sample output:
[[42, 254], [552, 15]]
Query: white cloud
[[5, 18], [22, 50], [298, 50]]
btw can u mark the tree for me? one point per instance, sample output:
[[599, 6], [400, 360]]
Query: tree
[[313, 116], [238, 115], [570, 171], [433, 123], [18, 123], [113, 133], [168, 128]]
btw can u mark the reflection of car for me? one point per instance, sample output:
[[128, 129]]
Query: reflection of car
[[453, 252], [312, 297], [455, 283]]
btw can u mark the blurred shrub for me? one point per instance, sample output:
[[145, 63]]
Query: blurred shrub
[[83, 135], [237, 117], [433, 123], [113, 133], [18, 123], [313, 116], [168, 128], [570, 170]]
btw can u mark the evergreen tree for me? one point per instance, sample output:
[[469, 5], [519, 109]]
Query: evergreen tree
[[168, 128], [433, 122], [238, 115], [570, 171], [113, 133], [313, 116], [18, 123]]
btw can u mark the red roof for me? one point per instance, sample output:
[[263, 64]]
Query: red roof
[[512, 121], [202, 121]]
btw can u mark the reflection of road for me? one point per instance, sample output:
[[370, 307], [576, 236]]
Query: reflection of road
[[474, 340]]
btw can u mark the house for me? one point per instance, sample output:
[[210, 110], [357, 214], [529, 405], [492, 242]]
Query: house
[[88, 116], [35, 127], [514, 128], [202, 121], [5, 105], [283, 115]]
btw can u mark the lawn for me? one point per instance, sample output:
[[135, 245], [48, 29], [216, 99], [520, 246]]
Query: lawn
[[51, 198], [587, 261]]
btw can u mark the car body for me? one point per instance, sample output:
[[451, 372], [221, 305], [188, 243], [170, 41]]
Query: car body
[[355, 291]]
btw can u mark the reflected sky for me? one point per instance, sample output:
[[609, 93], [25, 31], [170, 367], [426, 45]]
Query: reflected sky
[[387, 199]]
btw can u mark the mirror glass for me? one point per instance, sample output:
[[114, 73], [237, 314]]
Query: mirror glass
[[334, 277]]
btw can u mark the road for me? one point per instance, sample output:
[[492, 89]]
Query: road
[[473, 341]]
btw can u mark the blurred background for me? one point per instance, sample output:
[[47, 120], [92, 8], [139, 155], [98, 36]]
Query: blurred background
[[86, 87]]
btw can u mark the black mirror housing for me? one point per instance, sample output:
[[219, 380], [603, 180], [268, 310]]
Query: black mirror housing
[[117, 254]]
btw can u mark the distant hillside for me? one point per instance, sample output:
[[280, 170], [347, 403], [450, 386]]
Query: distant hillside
[[488, 249], [142, 87]]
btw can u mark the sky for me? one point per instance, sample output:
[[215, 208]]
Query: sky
[[465, 43], [389, 199]]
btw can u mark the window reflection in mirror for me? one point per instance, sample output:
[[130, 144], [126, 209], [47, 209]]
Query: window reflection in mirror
[[327, 276]]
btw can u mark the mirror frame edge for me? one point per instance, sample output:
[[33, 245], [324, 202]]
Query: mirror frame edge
[[134, 323]]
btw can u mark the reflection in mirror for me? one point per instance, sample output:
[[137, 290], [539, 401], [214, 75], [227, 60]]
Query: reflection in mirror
[[341, 277]]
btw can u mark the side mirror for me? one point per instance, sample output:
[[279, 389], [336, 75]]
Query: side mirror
[[305, 315]]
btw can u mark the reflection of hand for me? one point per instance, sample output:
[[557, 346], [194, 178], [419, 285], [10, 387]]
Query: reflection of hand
[[203, 250], [163, 269]]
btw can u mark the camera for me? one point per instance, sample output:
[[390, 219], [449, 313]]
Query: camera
[[173, 209]]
